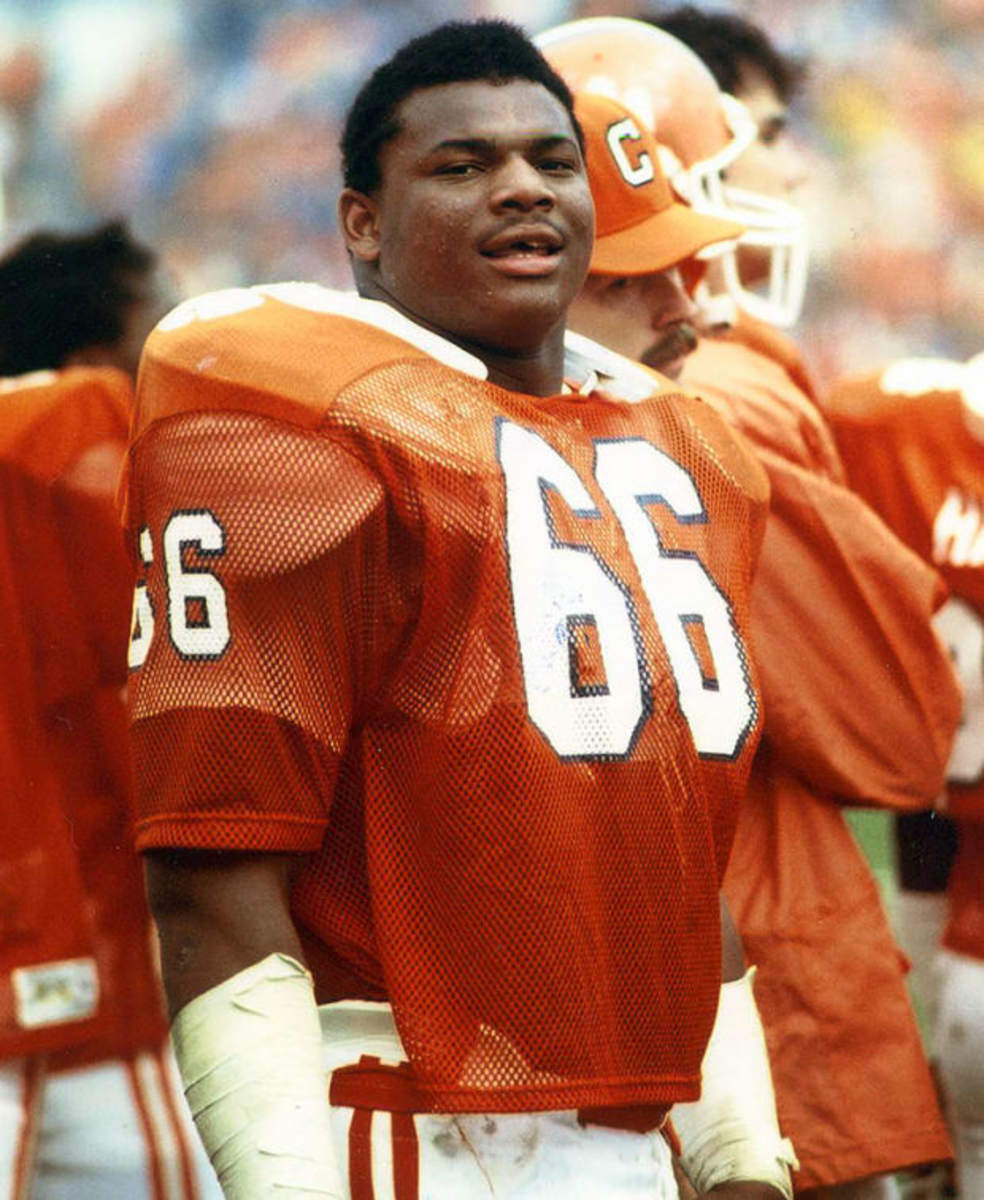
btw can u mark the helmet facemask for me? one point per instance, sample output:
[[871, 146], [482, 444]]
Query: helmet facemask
[[771, 224]]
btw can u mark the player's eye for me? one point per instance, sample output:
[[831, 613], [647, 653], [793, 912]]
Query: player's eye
[[558, 166], [771, 131], [461, 169]]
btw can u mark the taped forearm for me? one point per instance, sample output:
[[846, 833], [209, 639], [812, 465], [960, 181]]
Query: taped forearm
[[732, 1133], [250, 1057]]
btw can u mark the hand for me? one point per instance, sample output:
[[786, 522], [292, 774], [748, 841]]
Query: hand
[[742, 1189]]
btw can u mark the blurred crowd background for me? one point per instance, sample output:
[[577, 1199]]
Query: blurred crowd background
[[213, 125]]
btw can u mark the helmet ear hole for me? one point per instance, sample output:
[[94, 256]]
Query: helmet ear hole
[[701, 131]]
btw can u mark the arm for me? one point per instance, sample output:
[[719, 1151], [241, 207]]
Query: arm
[[237, 734], [730, 1139], [245, 1028], [217, 914], [851, 667]]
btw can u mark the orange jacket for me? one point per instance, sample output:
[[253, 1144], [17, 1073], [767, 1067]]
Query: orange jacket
[[860, 707], [65, 589], [909, 449]]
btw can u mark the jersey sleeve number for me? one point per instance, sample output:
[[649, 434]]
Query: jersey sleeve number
[[557, 587], [963, 631], [197, 612]]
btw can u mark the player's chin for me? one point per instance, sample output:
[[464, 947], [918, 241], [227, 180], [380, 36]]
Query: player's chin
[[525, 314], [557, 280]]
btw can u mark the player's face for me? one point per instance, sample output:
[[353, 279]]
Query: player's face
[[648, 318], [773, 165], [483, 222]]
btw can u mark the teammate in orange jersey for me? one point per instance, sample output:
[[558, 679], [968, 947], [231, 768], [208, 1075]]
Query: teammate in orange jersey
[[89, 1104], [441, 686], [851, 671], [634, 298], [745, 62], [912, 440]]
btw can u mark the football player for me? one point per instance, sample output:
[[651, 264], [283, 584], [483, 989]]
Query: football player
[[746, 64], [767, 277], [442, 701], [851, 672], [912, 441], [90, 1105], [635, 298]]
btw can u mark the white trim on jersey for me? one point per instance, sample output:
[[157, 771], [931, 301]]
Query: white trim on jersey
[[618, 376], [584, 358]]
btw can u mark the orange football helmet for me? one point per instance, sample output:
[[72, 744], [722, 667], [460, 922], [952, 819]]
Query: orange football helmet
[[701, 131]]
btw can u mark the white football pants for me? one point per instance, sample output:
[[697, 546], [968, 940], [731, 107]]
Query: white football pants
[[515, 1156], [119, 1130], [960, 1046]]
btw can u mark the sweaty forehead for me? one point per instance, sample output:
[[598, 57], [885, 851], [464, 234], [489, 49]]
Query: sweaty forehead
[[508, 112]]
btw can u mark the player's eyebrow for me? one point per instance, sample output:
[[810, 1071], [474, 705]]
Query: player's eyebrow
[[480, 145]]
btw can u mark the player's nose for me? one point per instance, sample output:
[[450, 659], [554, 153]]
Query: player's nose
[[668, 300], [519, 185]]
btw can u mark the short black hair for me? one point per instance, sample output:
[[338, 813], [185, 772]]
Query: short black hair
[[728, 45], [63, 292], [456, 52]]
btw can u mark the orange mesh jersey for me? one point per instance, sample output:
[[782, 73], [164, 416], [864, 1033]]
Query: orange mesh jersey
[[913, 446], [480, 654], [756, 374], [769, 342], [43, 917], [860, 707], [65, 587]]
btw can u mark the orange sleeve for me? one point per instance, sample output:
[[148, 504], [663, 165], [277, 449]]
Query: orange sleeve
[[859, 693], [259, 630]]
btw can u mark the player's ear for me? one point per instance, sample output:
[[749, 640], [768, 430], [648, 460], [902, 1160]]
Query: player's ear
[[358, 219]]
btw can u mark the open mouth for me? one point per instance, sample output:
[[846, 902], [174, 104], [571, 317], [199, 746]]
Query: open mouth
[[536, 249], [524, 251], [541, 241]]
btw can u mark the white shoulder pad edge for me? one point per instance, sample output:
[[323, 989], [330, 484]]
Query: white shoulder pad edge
[[313, 297], [918, 376]]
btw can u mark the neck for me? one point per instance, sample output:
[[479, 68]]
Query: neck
[[516, 362], [536, 372]]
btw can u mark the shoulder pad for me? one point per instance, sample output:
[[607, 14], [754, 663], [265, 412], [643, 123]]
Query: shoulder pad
[[282, 349], [48, 418]]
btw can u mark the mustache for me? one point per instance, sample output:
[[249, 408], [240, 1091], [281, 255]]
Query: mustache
[[676, 341]]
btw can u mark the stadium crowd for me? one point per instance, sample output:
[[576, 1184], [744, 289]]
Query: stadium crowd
[[211, 124], [367, 608]]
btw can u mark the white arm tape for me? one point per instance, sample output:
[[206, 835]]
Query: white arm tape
[[250, 1056], [732, 1132]]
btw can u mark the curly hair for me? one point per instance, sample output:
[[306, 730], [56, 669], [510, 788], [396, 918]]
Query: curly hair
[[456, 52]]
